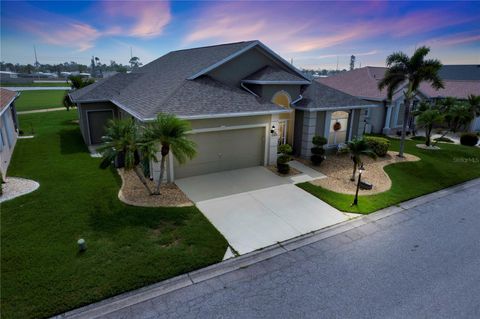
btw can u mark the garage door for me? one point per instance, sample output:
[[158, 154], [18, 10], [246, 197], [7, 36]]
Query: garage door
[[224, 150], [97, 120]]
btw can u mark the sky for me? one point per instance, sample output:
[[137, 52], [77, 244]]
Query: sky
[[315, 34]]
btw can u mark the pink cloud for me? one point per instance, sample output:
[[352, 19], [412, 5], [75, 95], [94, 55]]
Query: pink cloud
[[461, 38], [147, 18], [76, 35]]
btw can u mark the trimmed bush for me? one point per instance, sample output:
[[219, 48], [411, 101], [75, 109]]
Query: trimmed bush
[[318, 152], [379, 145], [469, 139], [284, 158]]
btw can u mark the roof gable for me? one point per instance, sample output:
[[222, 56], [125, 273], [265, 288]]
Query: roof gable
[[6, 98], [252, 44], [269, 74]]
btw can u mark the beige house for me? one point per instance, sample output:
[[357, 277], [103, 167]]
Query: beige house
[[242, 100], [8, 128]]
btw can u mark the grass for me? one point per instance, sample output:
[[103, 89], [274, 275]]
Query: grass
[[42, 84], [451, 165], [36, 100], [128, 247]]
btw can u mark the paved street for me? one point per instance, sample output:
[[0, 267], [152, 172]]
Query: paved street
[[420, 263]]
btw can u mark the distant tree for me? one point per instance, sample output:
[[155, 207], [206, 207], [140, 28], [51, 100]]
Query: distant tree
[[402, 69], [135, 62], [67, 102], [77, 82], [352, 62]]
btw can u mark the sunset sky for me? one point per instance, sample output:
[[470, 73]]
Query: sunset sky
[[313, 33]]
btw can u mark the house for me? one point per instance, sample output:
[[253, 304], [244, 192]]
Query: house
[[242, 100], [8, 128], [459, 81]]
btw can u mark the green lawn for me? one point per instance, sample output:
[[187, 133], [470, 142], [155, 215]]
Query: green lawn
[[35, 100], [128, 247], [34, 84], [451, 165]]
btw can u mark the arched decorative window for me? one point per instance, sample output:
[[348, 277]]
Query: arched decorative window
[[282, 98]]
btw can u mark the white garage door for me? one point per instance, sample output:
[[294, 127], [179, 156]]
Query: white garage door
[[224, 150]]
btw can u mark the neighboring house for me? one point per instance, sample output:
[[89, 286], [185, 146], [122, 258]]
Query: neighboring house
[[459, 81], [241, 99], [8, 128]]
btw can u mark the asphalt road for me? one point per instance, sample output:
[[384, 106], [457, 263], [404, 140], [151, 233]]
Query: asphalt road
[[421, 263]]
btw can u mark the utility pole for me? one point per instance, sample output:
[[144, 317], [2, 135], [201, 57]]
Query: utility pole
[[131, 53], [35, 53], [337, 62]]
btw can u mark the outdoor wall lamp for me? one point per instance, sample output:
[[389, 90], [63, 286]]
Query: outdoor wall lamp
[[272, 131], [361, 169]]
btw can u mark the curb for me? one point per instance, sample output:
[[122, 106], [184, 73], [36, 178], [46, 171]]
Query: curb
[[112, 304]]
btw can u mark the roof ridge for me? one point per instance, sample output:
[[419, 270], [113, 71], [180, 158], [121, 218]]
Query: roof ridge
[[213, 45]]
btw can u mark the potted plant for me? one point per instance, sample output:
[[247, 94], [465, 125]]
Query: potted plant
[[318, 152], [282, 160]]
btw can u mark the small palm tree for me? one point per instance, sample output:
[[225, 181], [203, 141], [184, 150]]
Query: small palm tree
[[358, 148], [125, 146], [428, 118], [171, 133], [474, 103], [402, 69]]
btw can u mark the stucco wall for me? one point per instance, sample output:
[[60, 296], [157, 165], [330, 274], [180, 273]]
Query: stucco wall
[[377, 117], [8, 140], [240, 67], [82, 113]]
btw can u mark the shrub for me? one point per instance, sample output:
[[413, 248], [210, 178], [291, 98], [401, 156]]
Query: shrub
[[469, 139], [444, 139], [284, 158], [419, 138], [318, 152], [378, 145], [1, 184]]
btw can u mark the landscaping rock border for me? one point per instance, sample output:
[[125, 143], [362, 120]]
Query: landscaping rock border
[[16, 186]]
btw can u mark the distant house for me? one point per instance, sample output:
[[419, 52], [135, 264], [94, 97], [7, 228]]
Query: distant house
[[242, 100], [459, 81], [8, 128]]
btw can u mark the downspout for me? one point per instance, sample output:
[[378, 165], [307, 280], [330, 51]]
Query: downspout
[[247, 89], [300, 97]]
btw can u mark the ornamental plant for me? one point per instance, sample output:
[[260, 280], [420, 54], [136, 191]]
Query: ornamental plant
[[282, 160], [318, 152]]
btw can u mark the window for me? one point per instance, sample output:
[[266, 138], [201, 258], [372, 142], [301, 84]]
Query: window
[[282, 98]]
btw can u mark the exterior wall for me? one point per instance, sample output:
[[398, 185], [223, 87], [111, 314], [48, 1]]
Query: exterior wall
[[239, 68], [377, 117], [298, 132], [82, 115], [268, 91], [224, 124], [308, 132], [8, 138]]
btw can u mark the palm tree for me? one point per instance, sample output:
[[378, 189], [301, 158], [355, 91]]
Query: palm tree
[[358, 148], [125, 146], [474, 102], [171, 133], [411, 71], [428, 117]]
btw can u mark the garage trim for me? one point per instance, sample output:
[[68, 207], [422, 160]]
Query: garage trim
[[88, 122]]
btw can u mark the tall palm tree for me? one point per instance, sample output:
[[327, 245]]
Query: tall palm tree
[[125, 146], [171, 133], [411, 71], [358, 148]]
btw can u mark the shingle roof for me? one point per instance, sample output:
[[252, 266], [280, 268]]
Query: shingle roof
[[6, 97], [362, 82], [465, 72], [273, 74], [458, 89], [320, 96], [162, 86]]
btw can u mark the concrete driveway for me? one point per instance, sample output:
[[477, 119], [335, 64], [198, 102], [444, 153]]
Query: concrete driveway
[[254, 208]]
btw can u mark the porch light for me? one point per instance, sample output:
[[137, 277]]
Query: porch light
[[82, 245], [272, 131], [361, 169]]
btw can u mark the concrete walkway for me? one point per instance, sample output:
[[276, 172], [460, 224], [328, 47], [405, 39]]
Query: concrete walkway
[[416, 260], [43, 110]]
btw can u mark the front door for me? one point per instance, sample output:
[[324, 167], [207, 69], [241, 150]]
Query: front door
[[338, 128]]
